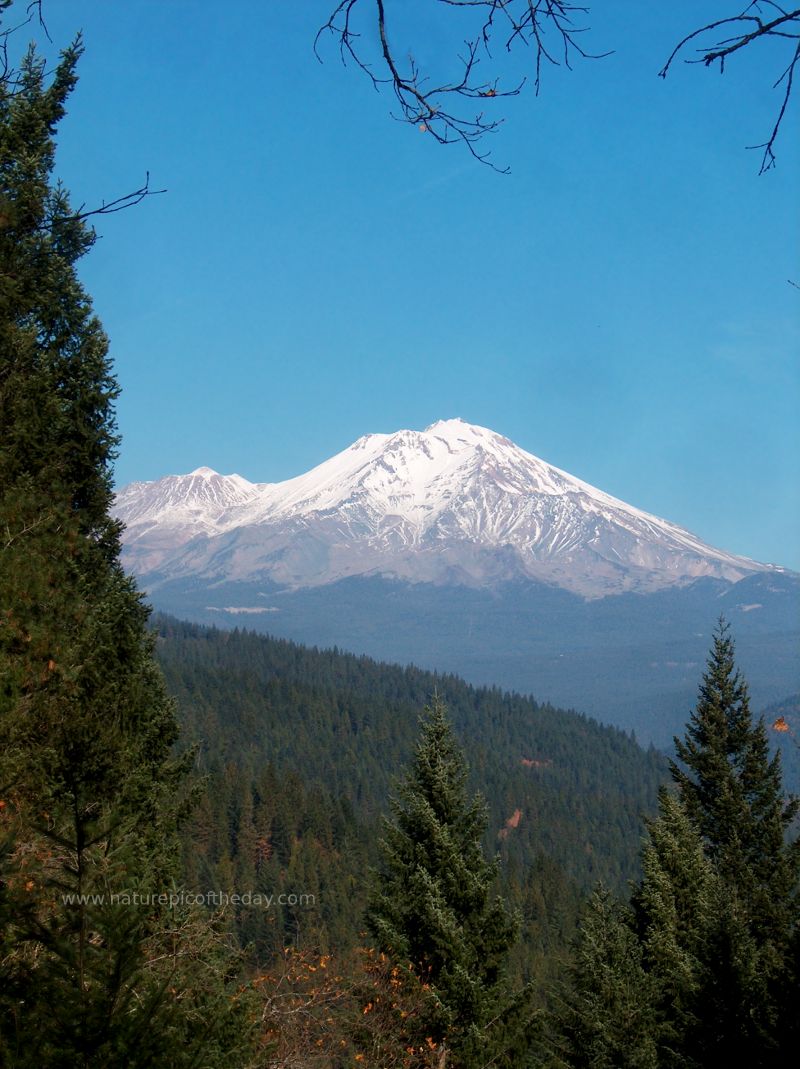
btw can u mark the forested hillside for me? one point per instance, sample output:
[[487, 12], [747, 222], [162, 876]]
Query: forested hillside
[[301, 746]]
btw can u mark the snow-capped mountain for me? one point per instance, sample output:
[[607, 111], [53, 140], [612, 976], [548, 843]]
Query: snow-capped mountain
[[455, 504]]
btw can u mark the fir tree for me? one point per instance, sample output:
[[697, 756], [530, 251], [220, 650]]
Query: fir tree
[[702, 971], [57, 386], [678, 904], [433, 911], [607, 1015], [89, 789], [717, 908], [733, 791]]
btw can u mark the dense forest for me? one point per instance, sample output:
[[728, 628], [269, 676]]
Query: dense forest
[[221, 850], [299, 748]]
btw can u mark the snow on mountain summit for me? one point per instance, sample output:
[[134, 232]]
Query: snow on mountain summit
[[455, 503], [412, 475], [200, 498]]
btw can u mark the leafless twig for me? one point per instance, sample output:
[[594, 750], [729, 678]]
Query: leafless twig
[[33, 11], [58, 217], [128, 200], [11, 79], [548, 26], [748, 27]]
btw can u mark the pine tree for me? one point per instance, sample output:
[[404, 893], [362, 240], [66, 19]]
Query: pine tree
[[702, 971], [432, 911], [733, 792], [678, 905], [607, 1016], [58, 389], [717, 908], [90, 791]]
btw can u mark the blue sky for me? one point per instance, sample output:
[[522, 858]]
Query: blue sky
[[618, 305]]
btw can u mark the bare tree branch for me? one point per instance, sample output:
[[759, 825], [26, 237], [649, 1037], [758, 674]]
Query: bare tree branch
[[33, 11], [10, 77], [552, 30], [548, 26], [128, 200], [59, 216], [748, 27]]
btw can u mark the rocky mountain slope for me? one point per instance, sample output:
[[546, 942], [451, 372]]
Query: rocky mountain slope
[[455, 504]]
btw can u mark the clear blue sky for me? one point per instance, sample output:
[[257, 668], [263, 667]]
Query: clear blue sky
[[618, 305]]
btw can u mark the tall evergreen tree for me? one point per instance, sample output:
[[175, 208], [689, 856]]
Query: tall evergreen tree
[[717, 908], [703, 970], [433, 911], [607, 1017], [678, 904], [733, 792], [89, 789]]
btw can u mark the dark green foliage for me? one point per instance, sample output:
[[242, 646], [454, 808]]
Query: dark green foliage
[[347, 723], [607, 1019], [90, 788], [434, 909], [732, 792], [710, 970], [265, 831], [56, 385], [334, 728], [731, 788], [680, 903], [713, 932]]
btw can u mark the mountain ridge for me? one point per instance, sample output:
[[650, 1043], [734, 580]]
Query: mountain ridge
[[455, 504]]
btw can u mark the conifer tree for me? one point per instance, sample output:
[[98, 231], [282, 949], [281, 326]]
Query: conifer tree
[[717, 908], [733, 792], [432, 910], [607, 1015], [89, 787], [703, 970], [678, 904]]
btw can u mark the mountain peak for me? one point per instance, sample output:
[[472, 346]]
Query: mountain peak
[[458, 427], [455, 503], [455, 423]]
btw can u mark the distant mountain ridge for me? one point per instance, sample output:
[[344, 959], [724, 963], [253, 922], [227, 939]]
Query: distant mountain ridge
[[453, 549], [455, 504]]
